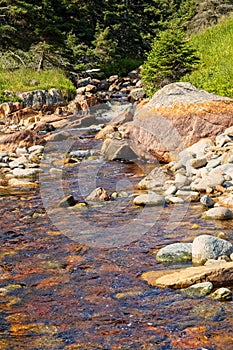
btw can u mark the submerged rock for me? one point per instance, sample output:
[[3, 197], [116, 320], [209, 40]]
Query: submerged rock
[[175, 252], [223, 294], [99, 194], [199, 289], [221, 274]]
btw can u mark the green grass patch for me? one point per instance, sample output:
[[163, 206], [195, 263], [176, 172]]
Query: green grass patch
[[214, 47], [28, 79]]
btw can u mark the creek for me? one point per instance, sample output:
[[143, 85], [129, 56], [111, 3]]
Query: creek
[[70, 277]]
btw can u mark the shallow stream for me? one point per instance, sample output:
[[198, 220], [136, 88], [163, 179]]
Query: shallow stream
[[70, 278]]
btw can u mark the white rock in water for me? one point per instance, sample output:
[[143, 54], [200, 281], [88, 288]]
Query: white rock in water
[[218, 213], [209, 247], [149, 199], [223, 294]]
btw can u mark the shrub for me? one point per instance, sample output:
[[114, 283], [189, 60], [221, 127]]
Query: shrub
[[170, 58]]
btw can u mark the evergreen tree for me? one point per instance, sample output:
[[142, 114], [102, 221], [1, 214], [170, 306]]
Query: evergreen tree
[[170, 58]]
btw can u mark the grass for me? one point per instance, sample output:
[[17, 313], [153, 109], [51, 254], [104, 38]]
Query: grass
[[22, 80], [214, 47]]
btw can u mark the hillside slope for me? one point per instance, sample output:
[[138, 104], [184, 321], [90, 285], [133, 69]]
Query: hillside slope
[[214, 46]]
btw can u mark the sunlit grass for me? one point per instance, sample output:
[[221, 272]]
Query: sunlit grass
[[215, 48], [29, 79]]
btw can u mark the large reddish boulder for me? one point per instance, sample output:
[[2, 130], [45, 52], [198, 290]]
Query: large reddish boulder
[[176, 117]]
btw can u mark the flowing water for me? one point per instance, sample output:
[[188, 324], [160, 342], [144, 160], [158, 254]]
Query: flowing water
[[70, 277]]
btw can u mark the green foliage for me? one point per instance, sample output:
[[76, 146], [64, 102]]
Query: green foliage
[[30, 79], [215, 49], [170, 58]]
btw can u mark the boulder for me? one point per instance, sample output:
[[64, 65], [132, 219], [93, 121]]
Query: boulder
[[220, 274], [198, 162], [175, 252], [149, 199], [209, 247], [175, 118], [36, 99], [218, 213], [68, 201]]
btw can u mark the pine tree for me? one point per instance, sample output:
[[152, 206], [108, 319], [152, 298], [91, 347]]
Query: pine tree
[[170, 58]]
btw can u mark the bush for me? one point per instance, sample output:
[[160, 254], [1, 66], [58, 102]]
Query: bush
[[170, 58]]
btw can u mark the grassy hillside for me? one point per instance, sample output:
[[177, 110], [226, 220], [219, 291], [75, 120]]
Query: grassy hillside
[[214, 46], [30, 79]]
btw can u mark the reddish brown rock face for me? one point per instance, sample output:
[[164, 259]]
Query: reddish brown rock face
[[165, 131]]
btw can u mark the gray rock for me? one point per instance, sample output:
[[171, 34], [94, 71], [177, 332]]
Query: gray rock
[[119, 150], [199, 289], [137, 93], [209, 247], [207, 201], [68, 201], [218, 213], [181, 93], [156, 178], [38, 98], [175, 252], [223, 294], [149, 199]]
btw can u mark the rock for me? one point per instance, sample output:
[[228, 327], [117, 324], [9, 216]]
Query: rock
[[220, 274], [99, 194], [223, 294], [209, 247], [188, 196], [119, 150], [21, 183], [175, 118], [207, 201], [156, 178], [210, 181], [68, 201], [149, 199], [137, 94], [181, 180], [175, 252], [7, 108], [213, 163], [218, 213], [37, 149], [38, 98], [198, 162], [171, 190], [174, 200], [21, 173], [199, 289], [222, 139], [20, 139]]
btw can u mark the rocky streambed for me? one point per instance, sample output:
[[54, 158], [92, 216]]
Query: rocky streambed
[[99, 254]]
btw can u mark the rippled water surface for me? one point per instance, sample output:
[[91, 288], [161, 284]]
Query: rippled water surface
[[70, 278]]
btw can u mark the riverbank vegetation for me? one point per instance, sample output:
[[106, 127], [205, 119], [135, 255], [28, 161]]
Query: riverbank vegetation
[[49, 43]]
